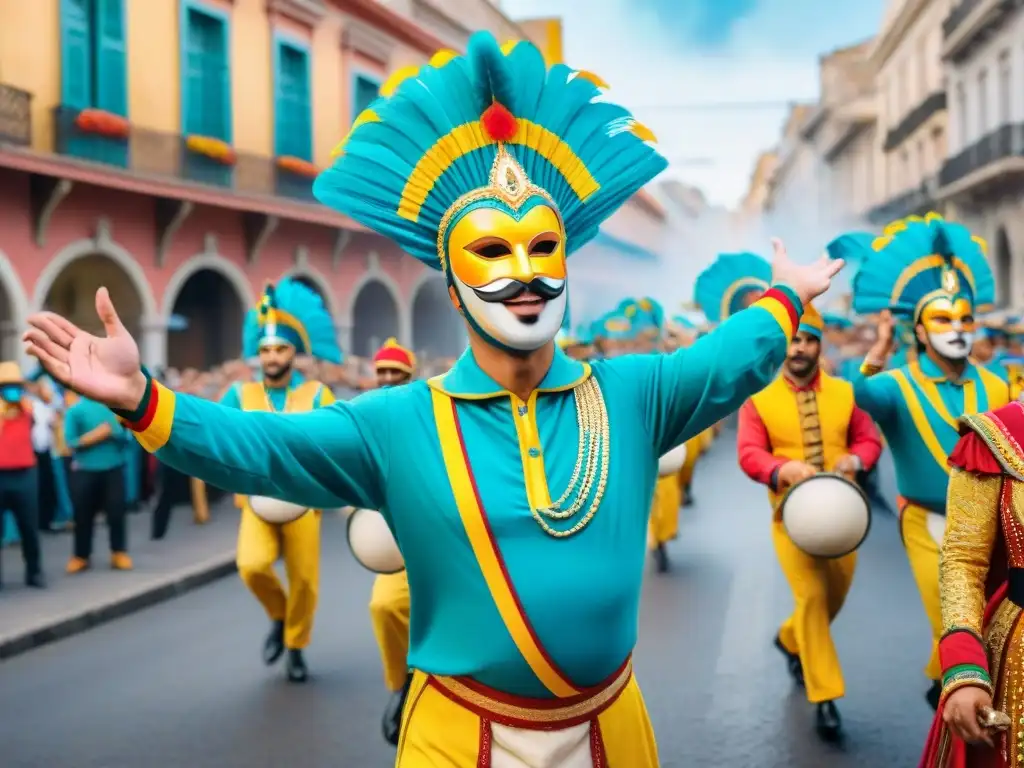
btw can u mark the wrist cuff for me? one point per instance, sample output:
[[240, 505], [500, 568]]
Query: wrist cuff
[[134, 420]]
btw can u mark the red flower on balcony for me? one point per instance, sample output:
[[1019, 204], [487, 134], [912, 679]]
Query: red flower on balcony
[[215, 149], [103, 123], [297, 166]]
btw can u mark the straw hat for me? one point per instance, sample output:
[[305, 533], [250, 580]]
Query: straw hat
[[10, 373]]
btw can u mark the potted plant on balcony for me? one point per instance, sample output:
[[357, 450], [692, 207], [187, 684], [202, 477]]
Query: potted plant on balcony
[[214, 149], [297, 166], [102, 123]]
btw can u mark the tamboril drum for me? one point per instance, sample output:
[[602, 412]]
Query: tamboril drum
[[275, 510], [371, 542], [826, 515], [672, 461]]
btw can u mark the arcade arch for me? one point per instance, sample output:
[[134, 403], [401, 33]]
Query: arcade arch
[[13, 311], [375, 317], [437, 329]]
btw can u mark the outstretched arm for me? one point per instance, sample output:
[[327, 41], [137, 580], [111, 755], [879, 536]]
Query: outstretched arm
[[689, 390], [326, 458]]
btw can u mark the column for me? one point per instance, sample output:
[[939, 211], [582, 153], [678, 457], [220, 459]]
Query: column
[[153, 344]]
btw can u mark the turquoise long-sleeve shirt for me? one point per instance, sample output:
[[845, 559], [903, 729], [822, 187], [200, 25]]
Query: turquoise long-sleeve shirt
[[917, 409], [382, 451], [84, 416]]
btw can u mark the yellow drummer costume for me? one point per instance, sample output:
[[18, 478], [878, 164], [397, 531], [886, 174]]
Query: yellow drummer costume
[[807, 420], [492, 168], [389, 602], [290, 320], [932, 275]]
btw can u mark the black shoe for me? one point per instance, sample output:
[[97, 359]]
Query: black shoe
[[661, 563], [35, 580], [296, 666], [933, 695], [687, 498], [392, 722], [793, 665], [273, 646], [827, 721]]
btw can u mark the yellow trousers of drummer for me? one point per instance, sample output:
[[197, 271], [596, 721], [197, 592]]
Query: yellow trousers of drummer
[[389, 615], [438, 732], [923, 554], [664, 522], [260, 545], [694, 447], [819, 588]]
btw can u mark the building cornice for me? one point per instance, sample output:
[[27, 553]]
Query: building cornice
[[391, 23], [889, 38], [308, 12]]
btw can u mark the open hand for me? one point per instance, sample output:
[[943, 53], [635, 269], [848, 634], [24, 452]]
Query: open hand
[[106, 370], [808, 280], [793, 472]]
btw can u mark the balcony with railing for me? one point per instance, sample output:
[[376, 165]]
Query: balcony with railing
[[15, 116], [107, 141], [971, 22], [916, 201], [1004, 143]]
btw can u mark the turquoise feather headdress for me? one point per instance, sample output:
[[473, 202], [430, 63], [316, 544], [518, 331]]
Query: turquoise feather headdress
[[291, 313], [493, 128], [722, 289], [835, 320], [914, 261]]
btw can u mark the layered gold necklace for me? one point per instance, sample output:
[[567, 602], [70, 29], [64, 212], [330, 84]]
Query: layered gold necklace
[[590, 474]]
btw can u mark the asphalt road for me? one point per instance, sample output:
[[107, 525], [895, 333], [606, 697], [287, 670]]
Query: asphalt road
[[181, 684]]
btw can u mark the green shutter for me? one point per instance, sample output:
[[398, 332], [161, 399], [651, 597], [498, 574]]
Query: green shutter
[[206, 77], [76, 54], [111, 70], [293, 130]]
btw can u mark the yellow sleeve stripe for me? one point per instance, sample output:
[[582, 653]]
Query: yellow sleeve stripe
[[153, 430], [781, 307]]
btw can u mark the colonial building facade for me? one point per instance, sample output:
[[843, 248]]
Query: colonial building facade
[[166, 150]]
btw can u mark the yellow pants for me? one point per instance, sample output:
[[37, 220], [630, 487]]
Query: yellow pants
[[923, 554], [664, 522], [389, 615], [438, 732], [819, 587], [694, 447], [260, 544]]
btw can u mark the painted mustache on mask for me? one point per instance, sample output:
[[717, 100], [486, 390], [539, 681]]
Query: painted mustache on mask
[[506, 289]]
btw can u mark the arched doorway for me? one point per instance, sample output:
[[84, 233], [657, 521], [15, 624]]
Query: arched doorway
[[205, 327], [1003, 269], [73, 293], [437, 330], [374, 318]]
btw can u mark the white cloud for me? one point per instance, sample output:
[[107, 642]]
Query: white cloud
[[771, 58]]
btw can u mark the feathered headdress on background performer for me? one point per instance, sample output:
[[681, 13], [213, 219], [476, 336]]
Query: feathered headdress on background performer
[[836, 320], [916, 260], [493, 128], [723, 288], [613, 326], [291, 313]]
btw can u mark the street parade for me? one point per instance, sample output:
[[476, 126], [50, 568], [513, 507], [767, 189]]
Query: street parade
[[764, 507]]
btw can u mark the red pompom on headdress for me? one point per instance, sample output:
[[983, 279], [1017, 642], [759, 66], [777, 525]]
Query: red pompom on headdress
[[499, 123]]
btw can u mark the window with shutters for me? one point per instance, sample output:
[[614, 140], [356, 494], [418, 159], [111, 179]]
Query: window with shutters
[[364, 92], [93, 70], [205, 74], [293, 129]]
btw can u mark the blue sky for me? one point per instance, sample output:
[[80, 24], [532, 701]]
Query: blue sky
[[664, 52]]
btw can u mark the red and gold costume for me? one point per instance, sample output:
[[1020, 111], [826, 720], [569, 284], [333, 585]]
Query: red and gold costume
[[818, 424], [981, 585]]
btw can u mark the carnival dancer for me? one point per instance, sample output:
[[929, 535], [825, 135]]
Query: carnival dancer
[[492, 168], [803, 423], [932, 275], [290, 320], [980, 722], [389, 601]]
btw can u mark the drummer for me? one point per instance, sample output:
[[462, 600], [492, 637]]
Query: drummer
[[389, 601], [804, 423]]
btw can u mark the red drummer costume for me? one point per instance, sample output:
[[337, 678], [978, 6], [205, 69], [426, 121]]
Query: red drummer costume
[[803, 423], [389, 601]]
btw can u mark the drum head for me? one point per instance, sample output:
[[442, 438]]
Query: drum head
[[274, 510], [826, 516], [372, 543]]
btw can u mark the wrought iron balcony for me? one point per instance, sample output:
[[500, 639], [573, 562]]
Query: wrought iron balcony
[[15, 116], [1005, 142], [166, 155], [918, 116], [917, 201], [957, 16]]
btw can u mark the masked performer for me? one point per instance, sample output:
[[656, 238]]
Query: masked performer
[[531, 472], [982, 646], [290, 320], [389, 601], [803, 423], [933, 275]]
